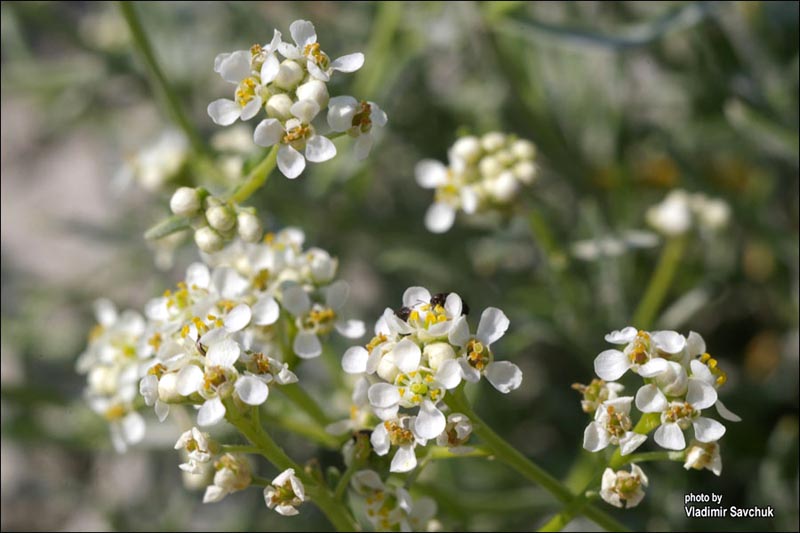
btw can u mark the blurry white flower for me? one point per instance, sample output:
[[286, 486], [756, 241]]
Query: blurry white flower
[[623, 489], [597, 392], [700, 455], [390, 508], [679, 211], [285, 493], [156, 164], [198, 446], [232, 474]]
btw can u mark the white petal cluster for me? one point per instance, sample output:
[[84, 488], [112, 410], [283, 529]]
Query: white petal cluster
[[483, 173], [113, 362], [680, 211], [680, 383], [419, 352], [623, 489], [391, 508], [293, 93], [199, 448], [285, 493], [232, 474]]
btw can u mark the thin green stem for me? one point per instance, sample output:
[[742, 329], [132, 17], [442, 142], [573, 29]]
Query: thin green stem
[[660, 282], [646, 457], [302, 399], [260, 481], [158, 80], [256, 178], [267, 447], [504, 451], [239, 448]]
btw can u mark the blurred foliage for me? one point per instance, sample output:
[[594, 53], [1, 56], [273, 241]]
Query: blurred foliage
[[625, 100]]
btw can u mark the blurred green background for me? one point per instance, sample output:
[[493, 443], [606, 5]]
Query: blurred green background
[[625, 101]]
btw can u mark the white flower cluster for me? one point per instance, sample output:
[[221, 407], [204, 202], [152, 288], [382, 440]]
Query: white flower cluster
[[216, 222], [293, 93], [391, 508], [285, 493], [681, 380], [157, 164], [418, 353], [680, 211], [483, 173], [112, 361]]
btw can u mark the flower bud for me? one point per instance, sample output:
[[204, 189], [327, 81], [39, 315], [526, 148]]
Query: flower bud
[[493, 141], [323, 266], [490, 167], [437, 353], [503, 188], [248, 226], [315, 90], [523, 149], [525, 171], [279, 106], [467, 148], [289, 75], [185, 202], [208, 240], [221, 218]]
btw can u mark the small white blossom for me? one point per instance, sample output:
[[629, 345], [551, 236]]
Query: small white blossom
[[390, 508], [680, 211], [623, 489], [199, 447], [232, 474], [318, 63], [700, 455], [456, 433], [612, 425], [358, 119], [285, 493]]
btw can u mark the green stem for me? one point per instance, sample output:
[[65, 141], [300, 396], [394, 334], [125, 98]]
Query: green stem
[[239, 448], [379, 47], [159, 81], [513, 458], [257, 177], [302, 399], [267, 447], [659, 282], [646, 457]]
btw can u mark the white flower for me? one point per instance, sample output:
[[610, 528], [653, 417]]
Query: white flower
[[680, 415], [250, 70], [400, 433], [597, 392], [644, 353], [297, 134], [623, 489], [456, 434], [157, 164], [318, 63], [612, 425], [346, 114], [185, 201], [700, 455], [285, 493], [213, 383], [390, 508], [232, 474], [198, 446], [476, 354], [673, 215]]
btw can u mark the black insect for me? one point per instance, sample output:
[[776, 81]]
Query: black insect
[[441, 298], [403, 313]]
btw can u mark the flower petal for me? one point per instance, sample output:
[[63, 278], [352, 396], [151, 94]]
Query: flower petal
[[430, 173], [504, 376], [380, 440], [707, 429], [251, 390], [235, 67], [595, 437], [305, 110], [653, 367], [459, 333], [211, 412], [649, 399], [430, 421], [341, 110], [631, 441], [492, 326], [320, 149], [291, 163], [265, 311], [404, 460], [727, 414], [700, 394], [383, 395], [223, 353], [670, 342], [695, 344], [623, 336], [453, 305], [296, 300], [268, 132], [440, 217], [224, 112], [238, 318], [449, 374], [363, 146], [407, 355], [348, 63], [670, 436], [190, 378], [415, 296], [354, 360], [303, 32], [306, 345], [198, 275], [270, 69], [469, 372], [133, 427], [610, 365]]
